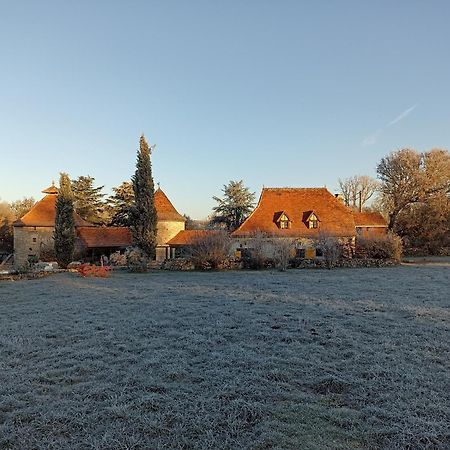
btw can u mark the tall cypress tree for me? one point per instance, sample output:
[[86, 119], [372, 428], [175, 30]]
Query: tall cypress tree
[[143, 212], [64, 234]]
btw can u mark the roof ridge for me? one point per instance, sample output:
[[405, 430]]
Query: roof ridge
[[294, 188]]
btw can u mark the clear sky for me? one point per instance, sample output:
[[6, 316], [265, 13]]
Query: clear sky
[[277, 93]]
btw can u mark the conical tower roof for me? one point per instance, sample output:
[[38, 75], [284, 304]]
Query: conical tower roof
[[43, 213], [165, 211]]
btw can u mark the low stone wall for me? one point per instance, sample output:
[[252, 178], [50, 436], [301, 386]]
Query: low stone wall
[[184, 264], [343, 263]]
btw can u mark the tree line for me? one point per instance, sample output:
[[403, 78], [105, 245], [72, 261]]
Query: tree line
[[412, 191]]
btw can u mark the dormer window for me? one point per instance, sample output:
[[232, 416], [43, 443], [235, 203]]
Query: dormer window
[[313, 223], [311, 220], [282, 220]]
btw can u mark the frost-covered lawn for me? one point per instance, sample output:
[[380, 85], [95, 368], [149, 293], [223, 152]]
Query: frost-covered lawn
[[308, 359]]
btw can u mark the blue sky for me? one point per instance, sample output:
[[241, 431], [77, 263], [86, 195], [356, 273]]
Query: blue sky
[[277, 93]]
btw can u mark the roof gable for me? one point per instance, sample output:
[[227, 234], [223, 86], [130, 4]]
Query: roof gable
[[280, 216]]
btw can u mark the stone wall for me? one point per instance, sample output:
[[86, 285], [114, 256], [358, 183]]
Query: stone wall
[[31, 242], [167, 230]]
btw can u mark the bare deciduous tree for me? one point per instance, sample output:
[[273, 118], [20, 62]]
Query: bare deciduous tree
[[409, 177], [210, 250], [283, 249], [21, 207], [331, 249], [358, 190]]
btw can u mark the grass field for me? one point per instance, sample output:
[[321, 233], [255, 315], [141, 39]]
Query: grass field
[[307, 359]]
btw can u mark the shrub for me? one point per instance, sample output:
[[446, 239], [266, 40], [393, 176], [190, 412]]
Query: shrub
[[210, 250], [118, 259], [137, 260], [283, 249], [331, 249], [256, 257], [91, 270], [388, 246]]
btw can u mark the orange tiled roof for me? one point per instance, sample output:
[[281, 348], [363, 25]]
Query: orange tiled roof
[[164, 208], [43, 214], [298, 203], [93, 237], [51, 190], [188, 237], [369, 219]]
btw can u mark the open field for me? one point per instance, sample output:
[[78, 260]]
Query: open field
[[307, 359]]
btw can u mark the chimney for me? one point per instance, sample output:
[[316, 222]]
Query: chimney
[[340, 197]]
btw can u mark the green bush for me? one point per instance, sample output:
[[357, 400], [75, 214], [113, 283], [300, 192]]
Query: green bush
[[388, 246]]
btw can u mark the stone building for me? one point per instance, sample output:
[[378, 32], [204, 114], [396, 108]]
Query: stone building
[[170, 223], [370, 223], [305, 215], [33, 233]]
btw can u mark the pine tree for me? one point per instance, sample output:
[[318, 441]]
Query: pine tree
[[120, 204], [64, 234], [88, 200], [234, 207], [143, 212]]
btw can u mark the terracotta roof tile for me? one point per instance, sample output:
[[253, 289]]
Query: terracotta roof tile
[[43, 214], [164, 208], [369, 219], [51, 190], [188, 237], [298, 203], [93, 237]]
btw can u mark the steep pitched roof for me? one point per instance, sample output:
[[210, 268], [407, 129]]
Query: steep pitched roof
[[298, 203], [43, 214], [164, 208], [369, 219], [94, 237], [188, 237]]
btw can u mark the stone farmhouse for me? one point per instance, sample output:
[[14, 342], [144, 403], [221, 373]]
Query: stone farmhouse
[[306, 214], [33, 233], [300, 214]]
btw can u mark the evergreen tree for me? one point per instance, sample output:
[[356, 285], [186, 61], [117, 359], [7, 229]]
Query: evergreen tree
[[143, 212], [64, 234], [234, 207], [120, 204], [88, 200]]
